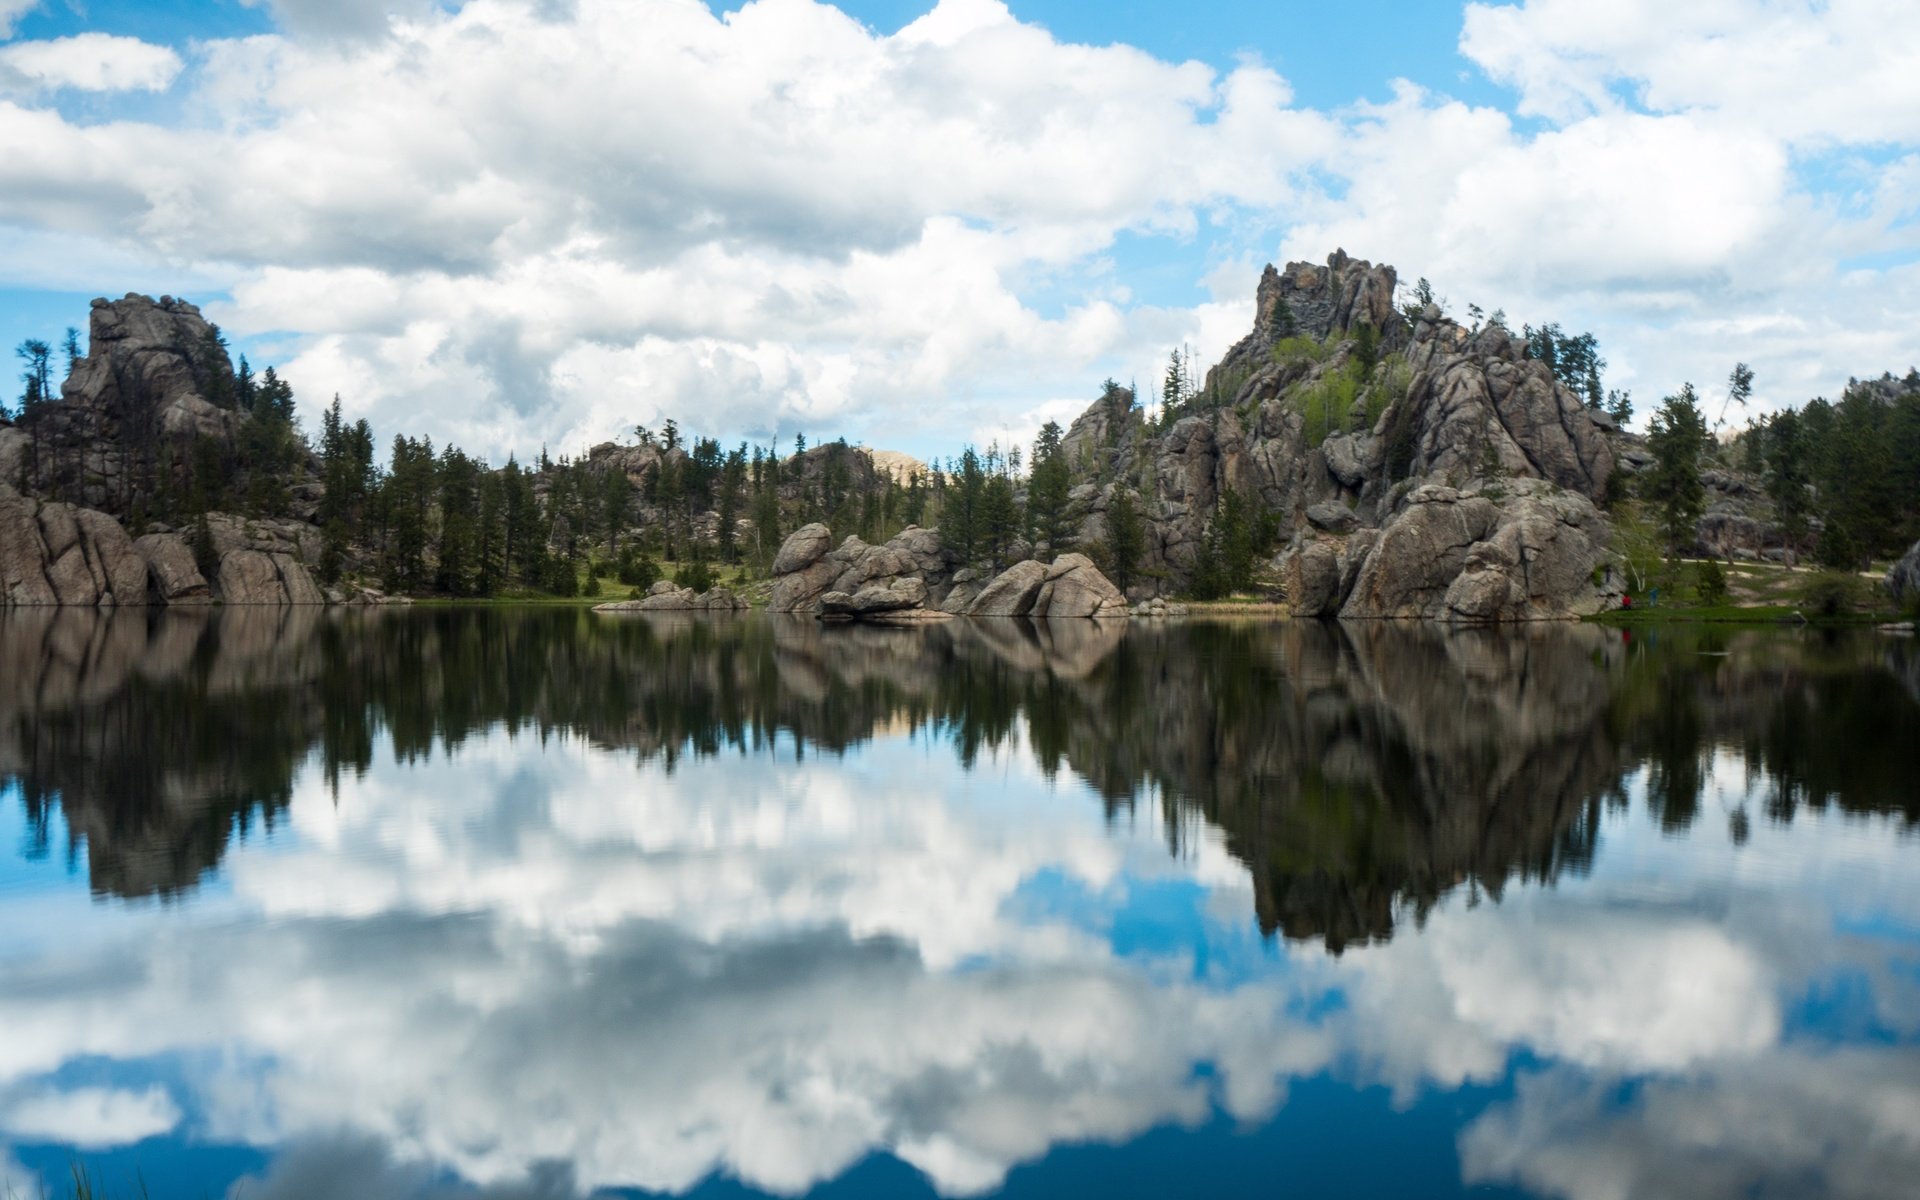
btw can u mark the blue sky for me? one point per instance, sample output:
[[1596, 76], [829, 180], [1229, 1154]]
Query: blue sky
[[522, 222]]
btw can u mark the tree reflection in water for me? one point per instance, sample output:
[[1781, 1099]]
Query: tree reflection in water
[[1361, 772]]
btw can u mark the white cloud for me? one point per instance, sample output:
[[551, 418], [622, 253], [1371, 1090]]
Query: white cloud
[[775, 974], [92, 1118], [512, 222], [11, 11], [343, 18], [1840, 71], [89, 62]]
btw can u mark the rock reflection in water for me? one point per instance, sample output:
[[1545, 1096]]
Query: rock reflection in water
[[1360, 771], [769, 901]]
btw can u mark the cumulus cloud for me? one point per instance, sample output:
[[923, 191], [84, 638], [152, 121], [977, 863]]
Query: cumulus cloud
[[89, 62], [516, 222], [91, 1118], [1843, 1118], [773, 976], [11, 11], [1832, 72]]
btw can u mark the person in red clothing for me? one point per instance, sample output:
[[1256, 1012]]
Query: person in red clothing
[[1626, 600]]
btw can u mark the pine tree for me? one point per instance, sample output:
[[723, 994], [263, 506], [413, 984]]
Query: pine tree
[[1000, 519], [962, 520], [1048, 488], [1677, 436], [1126, 539]]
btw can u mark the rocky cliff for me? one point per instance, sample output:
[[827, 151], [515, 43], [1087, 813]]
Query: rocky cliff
[[1417, 469], [57, 554], [133, 422]]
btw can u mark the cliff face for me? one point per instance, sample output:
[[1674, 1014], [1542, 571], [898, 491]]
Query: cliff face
[[1417, 470]]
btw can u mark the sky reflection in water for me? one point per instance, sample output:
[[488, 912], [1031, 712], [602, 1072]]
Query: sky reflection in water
[[537, 904]]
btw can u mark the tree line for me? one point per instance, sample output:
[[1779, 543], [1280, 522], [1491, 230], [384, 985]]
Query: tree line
[[1843, 477]]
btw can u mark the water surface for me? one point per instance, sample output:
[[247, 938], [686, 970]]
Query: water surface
[[457, 903]]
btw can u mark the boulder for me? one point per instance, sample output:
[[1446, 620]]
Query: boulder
[[800, 591], [875, 599], [1310, 577], [804, 547], [53, 553], [1333, 518], [667, 597], [1012, 593], [1075, 588], [23, 555], [172, 575], [806, 571], [259, 577], [1903, 578]]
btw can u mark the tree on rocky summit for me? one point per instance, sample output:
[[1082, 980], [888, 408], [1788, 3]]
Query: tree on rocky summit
[[1739, 388], [1677, 436]]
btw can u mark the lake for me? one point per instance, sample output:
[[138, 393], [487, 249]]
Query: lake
[[503, 903]]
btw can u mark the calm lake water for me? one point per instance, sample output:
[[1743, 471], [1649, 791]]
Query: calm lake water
[[542, 903]]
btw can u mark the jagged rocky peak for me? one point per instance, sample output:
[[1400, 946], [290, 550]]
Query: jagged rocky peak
[[1400, 458], [1318, 302], [149, 357], [1478, 405]]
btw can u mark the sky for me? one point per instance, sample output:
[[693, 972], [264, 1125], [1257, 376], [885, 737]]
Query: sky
[[515, 223]]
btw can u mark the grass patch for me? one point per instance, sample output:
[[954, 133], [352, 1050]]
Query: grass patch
[[1300, 349]]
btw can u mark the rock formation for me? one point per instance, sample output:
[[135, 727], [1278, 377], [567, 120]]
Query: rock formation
[[1417, 469], [808, 568], [911, 579], [666, 596], [1903, 578], [141, 387], [59, 554], [56, 554]]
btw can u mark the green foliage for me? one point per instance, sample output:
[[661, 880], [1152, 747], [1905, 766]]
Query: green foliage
[[695, 574], [1837, 550], [1299, 349], [1000, 519], [1228, 557], [1636, 541], [962, 522], [635, 568], [558, 576], [1710, 583], [1048, 485], [1833, 594], [205, 556], [1574, 360], [1326, 405], [1677, 437], [1366, 349], [1126, 540]]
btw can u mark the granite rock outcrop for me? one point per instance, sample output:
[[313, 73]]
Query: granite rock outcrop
[[1401, 455], [666, 596], [911, 578]]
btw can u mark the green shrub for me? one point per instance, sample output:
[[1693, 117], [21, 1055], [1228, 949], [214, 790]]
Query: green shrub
[[1327, 406], [1710, 583], [1299, 349], [559, 576], [1832, 594], [696, 575], [636, 568]]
